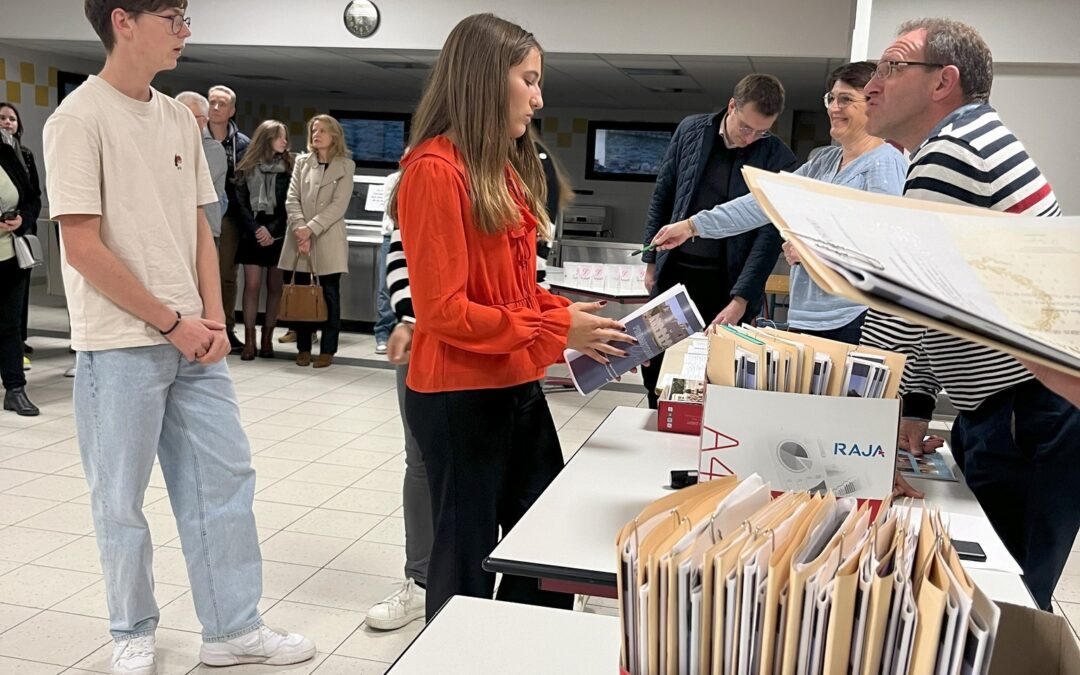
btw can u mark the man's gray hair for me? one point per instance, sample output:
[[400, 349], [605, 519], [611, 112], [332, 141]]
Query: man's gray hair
[[189, 98], [224, 90], [954, 43]]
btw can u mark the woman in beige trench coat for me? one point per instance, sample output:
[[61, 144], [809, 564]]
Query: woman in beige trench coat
[[319, 194]]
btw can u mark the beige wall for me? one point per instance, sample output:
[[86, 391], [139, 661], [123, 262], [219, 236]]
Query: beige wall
[[818, 28]]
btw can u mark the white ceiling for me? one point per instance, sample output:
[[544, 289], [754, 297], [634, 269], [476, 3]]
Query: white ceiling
[[571, 80]]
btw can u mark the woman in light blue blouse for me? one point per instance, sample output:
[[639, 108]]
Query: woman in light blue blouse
[[860, 161]]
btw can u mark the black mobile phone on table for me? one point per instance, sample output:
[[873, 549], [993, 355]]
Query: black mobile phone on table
[[969, 550]]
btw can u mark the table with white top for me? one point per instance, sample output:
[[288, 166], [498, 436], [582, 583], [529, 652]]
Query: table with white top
[[559, 284], [566, 540], [470, 636]]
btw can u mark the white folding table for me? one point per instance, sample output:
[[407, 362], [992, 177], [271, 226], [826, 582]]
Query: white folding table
[[567, 539]]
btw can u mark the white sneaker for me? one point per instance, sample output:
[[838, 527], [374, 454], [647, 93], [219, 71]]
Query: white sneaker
[[403, 607], [380, 348], [136, 656], [262, 645]]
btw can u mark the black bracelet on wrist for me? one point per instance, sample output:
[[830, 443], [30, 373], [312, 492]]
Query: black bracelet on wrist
[[166, 332]]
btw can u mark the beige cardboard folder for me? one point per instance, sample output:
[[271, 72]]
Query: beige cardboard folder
[[932, 594], [809, 353], [1042, 305], [838, 642], [779, 575]]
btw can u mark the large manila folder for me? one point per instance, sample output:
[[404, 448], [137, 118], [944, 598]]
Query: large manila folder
[[1008, 282], [773, 619], [709, 518], [637, 536], [842, 617], [819, 544]]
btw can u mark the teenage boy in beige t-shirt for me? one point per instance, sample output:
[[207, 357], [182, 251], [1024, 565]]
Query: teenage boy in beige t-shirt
[[127, 180]]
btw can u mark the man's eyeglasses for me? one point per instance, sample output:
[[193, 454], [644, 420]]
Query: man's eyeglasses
[[178, 21], [885, 69], [841, 100], [748, 131]]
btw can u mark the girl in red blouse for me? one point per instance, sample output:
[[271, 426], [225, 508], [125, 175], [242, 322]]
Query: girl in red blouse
[[470, 204]]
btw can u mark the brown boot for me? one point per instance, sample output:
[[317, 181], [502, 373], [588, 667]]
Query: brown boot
[[303, 359], [323, 361], [266, 351], [248, 353]]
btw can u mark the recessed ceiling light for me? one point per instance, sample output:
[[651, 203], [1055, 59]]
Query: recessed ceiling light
[[401, 65], [263, 78], [676, 90], [657, 72]]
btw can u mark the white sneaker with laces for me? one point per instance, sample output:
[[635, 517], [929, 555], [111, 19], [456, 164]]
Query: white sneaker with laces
[[402, 607], [136, 656], [262, 645], [380, 348]]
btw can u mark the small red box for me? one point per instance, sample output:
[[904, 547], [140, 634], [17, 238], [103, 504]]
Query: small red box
[[679, 417]]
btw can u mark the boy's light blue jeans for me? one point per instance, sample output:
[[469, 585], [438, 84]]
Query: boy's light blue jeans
[[132, 405]]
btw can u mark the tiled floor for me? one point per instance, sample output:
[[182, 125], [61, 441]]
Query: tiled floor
[[328, 452], [329, 458]]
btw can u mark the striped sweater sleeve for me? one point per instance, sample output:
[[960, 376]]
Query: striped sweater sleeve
[[918, 385], [397, 279]]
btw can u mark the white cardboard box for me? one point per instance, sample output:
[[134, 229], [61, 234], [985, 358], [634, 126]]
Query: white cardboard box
[[801, 442]]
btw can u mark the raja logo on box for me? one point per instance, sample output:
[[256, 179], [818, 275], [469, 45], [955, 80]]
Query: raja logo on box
[[855, 450]]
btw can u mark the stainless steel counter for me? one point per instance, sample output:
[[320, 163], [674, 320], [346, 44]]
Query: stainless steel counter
[[596, 250], [360, 285]]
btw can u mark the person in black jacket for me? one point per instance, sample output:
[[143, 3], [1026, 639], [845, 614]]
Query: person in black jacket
[[703, 168], [262, 186], [19, 202], [11, 120]]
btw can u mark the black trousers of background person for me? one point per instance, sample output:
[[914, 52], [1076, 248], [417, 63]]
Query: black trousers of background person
[[707, 288], [228, 242], [24, 320], [1017, 451], [489, 454], [12, 287], [331, 328]]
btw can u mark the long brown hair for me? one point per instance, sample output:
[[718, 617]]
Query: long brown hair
[[261, 148], [468, 93]]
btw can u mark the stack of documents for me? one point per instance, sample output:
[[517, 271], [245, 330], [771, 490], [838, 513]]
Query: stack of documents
[[721, 578], [1009, 282], [767, 359]]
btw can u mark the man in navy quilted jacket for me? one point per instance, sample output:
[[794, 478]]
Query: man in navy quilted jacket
[[703, 168]]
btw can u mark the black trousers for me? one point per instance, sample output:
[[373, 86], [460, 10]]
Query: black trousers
[[1018, 454], [12, 289], [24, 325], [331, 328], [489, 454], [709, 291]]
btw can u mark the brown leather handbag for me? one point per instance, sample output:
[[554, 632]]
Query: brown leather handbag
[[304, 303]]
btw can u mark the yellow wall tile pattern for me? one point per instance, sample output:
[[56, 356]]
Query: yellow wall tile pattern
[[26, 84]]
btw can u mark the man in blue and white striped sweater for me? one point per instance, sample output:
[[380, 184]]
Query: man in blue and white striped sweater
[[1013, 438]]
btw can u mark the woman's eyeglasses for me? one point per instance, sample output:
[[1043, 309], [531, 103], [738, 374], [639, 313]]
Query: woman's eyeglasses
[[841, 100]]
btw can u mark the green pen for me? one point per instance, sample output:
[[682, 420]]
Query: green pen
[[644, 249]]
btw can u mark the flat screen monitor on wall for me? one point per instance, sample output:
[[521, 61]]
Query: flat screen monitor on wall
[[377, 139], [627, 150], [66, 83]]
